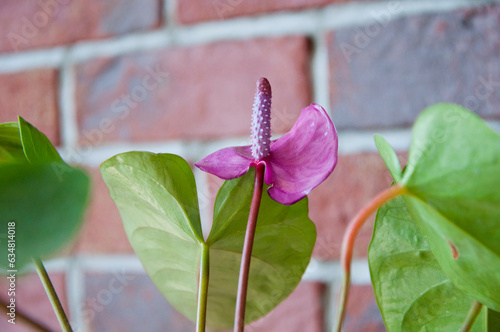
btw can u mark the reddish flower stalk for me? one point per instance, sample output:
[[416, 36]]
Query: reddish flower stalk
[[241, 297], [261, 139]]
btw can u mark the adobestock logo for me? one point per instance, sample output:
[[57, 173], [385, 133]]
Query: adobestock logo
[[105, 296], [363, 36], [225, 7], [483, 90], [31, 26]]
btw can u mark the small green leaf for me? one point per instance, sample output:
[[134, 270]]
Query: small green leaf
[[453, 172], [37, 147], [412, 291], [156, 196], [46, 202], [11, 149], [389, 157]]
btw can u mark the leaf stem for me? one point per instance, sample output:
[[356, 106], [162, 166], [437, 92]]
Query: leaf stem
[[474, 311], [201, 315], [51, 293], [241, 297], [348, 244]]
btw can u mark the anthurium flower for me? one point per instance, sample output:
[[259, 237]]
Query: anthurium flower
[[294, 164]]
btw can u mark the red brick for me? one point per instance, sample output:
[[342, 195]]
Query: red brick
[[129, 302], [410, 63], [207, 94], [301, 311], [192, 11], [332, 205], [33, 95], [102, 231], [29, 24], [32, 301], [362, 311]]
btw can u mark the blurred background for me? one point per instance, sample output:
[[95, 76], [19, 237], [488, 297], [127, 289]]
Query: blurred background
[[178, 76]]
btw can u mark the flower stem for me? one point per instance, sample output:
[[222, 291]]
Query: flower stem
[[241, 297], [51, 293], [201, 315], [348, 244], [474, 311]]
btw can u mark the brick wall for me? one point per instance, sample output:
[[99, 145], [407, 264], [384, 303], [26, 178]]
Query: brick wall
[[103, 77]]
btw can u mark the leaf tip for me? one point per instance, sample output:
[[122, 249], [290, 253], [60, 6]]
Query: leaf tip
[[389, 157]]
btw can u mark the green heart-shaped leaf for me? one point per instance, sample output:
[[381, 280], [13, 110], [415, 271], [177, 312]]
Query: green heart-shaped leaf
[[389, 157], [412, 291], [37, 147], [41, 194], [156, 196], [46, 202], [453, 172], [11, 149]]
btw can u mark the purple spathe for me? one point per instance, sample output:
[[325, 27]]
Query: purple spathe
[[298, 161]]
